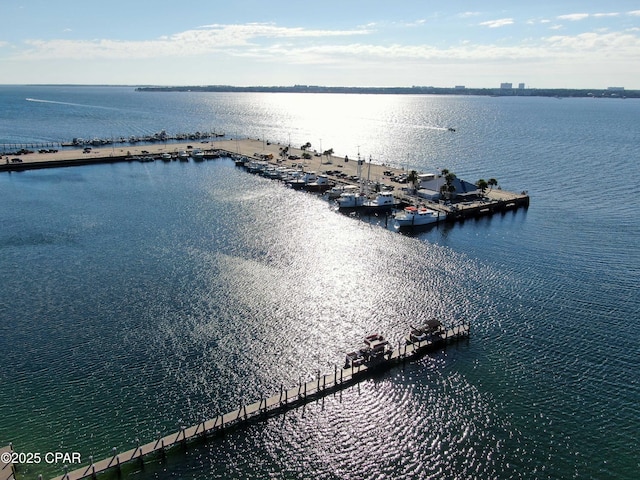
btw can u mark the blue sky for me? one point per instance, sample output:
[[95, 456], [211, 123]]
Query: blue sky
[[544, 44]]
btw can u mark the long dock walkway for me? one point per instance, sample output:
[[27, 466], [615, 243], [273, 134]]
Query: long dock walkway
[[284, 400], [6, 467]]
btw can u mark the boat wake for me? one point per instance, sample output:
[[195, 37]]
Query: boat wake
[[38, 100]]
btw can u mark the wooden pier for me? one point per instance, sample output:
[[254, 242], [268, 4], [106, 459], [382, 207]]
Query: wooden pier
[[284, 400], [6, 468]]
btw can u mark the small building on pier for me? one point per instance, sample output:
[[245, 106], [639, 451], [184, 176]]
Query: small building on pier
[[430, 185]]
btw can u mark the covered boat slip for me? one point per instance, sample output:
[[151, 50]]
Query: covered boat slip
[[282, 401]]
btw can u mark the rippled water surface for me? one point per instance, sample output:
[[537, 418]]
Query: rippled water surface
[[138, 298]]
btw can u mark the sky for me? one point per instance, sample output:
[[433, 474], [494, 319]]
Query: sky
[[390, 43]]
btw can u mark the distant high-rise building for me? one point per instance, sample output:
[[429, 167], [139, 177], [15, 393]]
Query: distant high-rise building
[[506, 86], [521, 86]]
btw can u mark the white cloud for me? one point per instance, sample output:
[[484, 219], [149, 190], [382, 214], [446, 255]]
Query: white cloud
[[621, 45], [501, 22], [206, 39], [635, 13], [574, 17]]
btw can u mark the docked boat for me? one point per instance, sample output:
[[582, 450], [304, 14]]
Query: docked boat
[[183, 156], [359, 201], [197, 155], [301, 182], [382, 201], [321, 184], [166, 157], [375, 351], [351, 200], [413, 216], [334, 192], [432, 332]]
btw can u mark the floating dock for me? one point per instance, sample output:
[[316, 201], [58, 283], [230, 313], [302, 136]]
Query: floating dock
[[284, 400]]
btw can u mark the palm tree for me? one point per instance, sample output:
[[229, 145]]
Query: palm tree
[[492, 183], [412, 178], [448, 187], [328, 154], [482, 185]]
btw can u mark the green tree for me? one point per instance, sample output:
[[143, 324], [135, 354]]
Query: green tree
[[328, 153], [492, 183], [448, 188], [482, 185], [412, 178]]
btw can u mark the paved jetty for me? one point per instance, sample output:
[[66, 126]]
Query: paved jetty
[[494, 201], [283, 400]]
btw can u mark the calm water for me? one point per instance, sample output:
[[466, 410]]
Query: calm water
[[137, 298]]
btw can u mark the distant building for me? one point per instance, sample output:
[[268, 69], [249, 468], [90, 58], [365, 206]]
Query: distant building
[[460, 87], [615, 89], [521, 86], [506, 86]]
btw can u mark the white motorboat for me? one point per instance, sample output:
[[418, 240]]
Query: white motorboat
[[335, 192], [413, 216], [301, 182], [351, 200], [321, 184], [382, 201]]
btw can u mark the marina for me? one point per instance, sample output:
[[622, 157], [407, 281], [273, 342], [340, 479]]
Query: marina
[[377, 355], [298, 170]]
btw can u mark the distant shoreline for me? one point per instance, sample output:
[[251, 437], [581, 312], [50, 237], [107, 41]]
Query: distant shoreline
[[494, 92]]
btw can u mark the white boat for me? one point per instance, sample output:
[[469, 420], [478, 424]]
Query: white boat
[[301, 182], [360, 201], [166, 157], [321, 184], [351, 200], [197, 155], [334, 192], [183, 156], [413, 216], [382, 201]]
